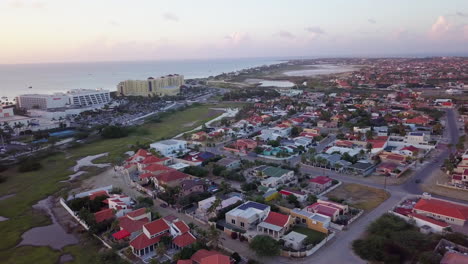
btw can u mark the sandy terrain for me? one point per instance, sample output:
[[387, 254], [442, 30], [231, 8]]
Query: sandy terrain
[[439, 176]]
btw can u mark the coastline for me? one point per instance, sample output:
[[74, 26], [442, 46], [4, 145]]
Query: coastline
[[60, 77]]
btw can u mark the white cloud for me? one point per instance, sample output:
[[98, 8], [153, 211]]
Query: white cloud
[[237, 37], [170, 17], [315, 30], [285, 34]]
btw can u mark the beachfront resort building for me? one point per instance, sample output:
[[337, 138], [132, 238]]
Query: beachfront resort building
[[72, 98], [165, 85]]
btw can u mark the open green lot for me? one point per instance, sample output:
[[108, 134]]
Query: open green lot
[[28, 188], [359, 196], [312, 235]]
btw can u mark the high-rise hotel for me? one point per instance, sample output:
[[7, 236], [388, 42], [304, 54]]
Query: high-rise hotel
[[165, 85]]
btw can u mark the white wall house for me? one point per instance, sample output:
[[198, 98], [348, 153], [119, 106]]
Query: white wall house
[[170, 148]]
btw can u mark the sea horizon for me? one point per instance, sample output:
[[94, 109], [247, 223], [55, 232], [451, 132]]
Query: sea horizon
[[61, 77]]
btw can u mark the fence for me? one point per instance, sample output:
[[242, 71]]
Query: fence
[[451, 187], [309, 252], [70, 211], [329, 189]]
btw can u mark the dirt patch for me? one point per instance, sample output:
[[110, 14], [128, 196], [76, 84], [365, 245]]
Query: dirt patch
[[430, 186], [359, 196], [190, 124]]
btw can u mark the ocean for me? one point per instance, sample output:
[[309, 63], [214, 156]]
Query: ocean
[[60, 77]]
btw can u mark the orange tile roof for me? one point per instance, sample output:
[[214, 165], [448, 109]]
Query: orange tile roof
[[103, 215], [157, 226], [439, 207], [277, 219], [184, 240]]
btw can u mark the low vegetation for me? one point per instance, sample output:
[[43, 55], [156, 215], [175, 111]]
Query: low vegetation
[[390, 239]]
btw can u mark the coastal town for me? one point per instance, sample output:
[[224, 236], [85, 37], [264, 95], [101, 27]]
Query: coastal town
[[272, 164]]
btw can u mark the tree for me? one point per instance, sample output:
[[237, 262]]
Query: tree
[[161, 249], [265, 246], [292, 199], [213, 236], [214, 205]]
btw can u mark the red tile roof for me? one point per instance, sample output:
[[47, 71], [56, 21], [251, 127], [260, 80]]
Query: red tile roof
[[216, 259], [184, 240], [320, 180], [171, 176], [203, 253], [132, 225], [454, 258], [184, 261], [323, 209], [157, 167], [277, 219], [93, 195], [439, 207], [121, 234], [142, 241], [137, 212], [182, 226], [157, 226], [103, 215]]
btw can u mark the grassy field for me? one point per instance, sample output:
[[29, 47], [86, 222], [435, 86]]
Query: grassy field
[[313, 235], [360, 196], [31, 187]]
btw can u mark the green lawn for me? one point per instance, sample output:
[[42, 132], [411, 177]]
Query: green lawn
[[31, 187], [314, 236]]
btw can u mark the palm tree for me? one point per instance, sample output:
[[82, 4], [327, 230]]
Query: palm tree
[[214, 205], [161, 249], [213, 236]]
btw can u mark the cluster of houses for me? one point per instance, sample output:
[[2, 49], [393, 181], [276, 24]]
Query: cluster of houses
[[434, 214]]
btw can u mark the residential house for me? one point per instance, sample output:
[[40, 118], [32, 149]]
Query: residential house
[[301, 196], [146, 242], [190, 186], [204, 256], [171, 178], [294, 240], [449, 212], [205, 205], [275, 225], [327, 208], [247, 215], [314, 221], [274, 176], [362, 167], [242, 145], [170, 147], [229, 163], [133, 222], [320, 183]]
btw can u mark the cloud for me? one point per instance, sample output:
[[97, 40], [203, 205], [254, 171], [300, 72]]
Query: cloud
[[285, 34], [315, 30], [237, 37], [114, 23], [372, 21], [23, 4], [16, 4], [461, 14], [447, 29], [170, 17], [440, 28], [38, 5]]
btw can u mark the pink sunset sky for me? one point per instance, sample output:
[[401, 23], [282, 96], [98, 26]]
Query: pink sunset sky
[[35, 31]]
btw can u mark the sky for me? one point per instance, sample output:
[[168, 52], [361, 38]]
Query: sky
[[38, 31]]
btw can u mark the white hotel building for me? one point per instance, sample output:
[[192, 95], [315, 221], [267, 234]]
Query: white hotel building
[[73, 98]]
